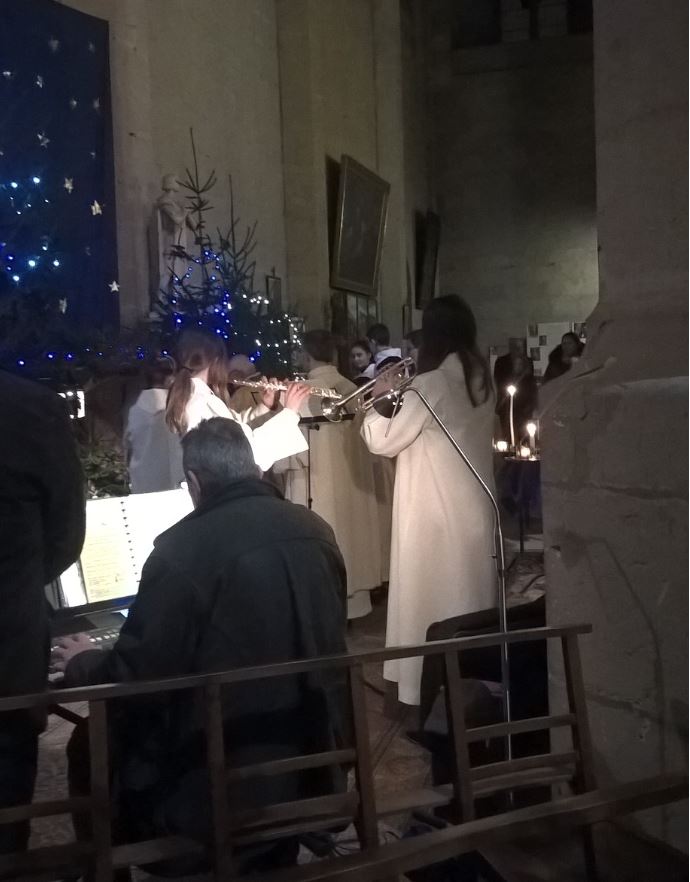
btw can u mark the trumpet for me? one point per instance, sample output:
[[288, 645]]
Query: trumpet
[[400, 375], [267, 386]]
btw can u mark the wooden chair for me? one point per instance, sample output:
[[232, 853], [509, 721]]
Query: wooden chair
[[100, 857]]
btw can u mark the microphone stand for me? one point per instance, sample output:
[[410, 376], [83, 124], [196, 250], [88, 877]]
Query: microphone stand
[[499, 554]]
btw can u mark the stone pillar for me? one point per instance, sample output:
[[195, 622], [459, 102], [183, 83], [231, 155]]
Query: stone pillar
[[306, 222], [391, 159], [614, 430]]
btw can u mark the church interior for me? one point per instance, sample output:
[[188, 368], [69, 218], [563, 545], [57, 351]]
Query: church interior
[[368, 323]]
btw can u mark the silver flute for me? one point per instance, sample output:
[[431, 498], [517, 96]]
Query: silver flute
[[267, 386]]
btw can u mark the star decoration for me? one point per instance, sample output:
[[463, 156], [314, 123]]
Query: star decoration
[[54, 44], [62, 305], [96, 208], [2, 152], [87, 251], [44, 141], [39, 81], [73, 103], [114, 287], [96, 103], [7, 74], [92, 47], [92, 154], [69, 184]]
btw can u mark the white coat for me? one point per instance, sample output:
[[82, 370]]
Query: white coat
[[442, 542], [275, 439], [154, 455], [342, 490]]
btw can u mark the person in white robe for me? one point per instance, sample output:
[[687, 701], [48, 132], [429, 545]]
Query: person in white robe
[[338, 474], [199, 391], [153, 453], [442, 541]]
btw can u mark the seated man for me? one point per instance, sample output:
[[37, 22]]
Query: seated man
[[246, 579]]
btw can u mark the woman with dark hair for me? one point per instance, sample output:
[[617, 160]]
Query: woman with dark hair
[[199, 391], [441, 554]]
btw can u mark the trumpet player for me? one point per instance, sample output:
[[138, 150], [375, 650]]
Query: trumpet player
[[199, 391], [338, 476], [442, 541]]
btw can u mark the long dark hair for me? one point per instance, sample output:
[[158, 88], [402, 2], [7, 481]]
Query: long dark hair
[[448, 325], [196, 351]]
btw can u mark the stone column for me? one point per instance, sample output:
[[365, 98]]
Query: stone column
[[614, 430], [306, 225], [390, 159]]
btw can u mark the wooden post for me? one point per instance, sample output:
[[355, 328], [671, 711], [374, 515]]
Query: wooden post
[[100, 792], [367, 823], [455, 708], [215, 747]]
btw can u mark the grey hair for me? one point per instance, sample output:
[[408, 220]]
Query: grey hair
[[218, 452]]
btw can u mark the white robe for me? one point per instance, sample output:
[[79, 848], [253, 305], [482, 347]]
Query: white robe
[[275, 439], [442, 543], [154, 455], [342, 491]]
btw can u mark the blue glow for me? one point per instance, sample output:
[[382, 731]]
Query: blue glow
[[56, 263], [51, 355], [10, 256], [31, 263], [14, 185], [36, 180], [69, 356], [21, 362], [15, 278]]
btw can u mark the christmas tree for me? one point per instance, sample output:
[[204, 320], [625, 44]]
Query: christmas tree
[[212, 286]]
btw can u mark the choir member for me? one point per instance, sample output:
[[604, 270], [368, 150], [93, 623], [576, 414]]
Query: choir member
[[442, 545]]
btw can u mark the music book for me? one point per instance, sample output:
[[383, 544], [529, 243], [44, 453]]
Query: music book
[[120, 532]]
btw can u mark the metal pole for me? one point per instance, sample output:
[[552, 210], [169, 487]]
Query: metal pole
[[499, 554]]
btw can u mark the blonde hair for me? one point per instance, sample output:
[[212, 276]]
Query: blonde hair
[[197, 350]]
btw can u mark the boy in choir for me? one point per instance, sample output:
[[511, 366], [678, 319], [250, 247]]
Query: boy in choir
[[379, 338], [338, 474], [246, 579]]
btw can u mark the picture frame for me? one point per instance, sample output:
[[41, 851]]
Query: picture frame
[[359, 228]]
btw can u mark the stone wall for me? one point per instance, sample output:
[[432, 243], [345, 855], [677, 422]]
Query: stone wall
[[211, 65], [514, 173], [615, 431]]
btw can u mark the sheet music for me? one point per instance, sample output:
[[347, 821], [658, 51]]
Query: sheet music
[[147, 515], [72, 587], [106, 558]]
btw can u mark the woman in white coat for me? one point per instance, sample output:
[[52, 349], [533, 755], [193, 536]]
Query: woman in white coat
[[442, 545], [199, 391]]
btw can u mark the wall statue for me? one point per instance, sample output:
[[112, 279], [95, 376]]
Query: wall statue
[[170, 224]]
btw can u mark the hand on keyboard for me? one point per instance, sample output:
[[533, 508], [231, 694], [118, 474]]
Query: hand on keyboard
[[67, 647]]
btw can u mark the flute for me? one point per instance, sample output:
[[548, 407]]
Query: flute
[[267, 386]]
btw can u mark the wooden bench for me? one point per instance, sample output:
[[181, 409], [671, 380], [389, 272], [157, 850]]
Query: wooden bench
[[588, 804]]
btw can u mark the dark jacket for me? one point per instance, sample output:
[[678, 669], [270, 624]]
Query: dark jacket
[[42, 507], [246, 579]]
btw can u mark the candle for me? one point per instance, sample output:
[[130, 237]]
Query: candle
[[501, 446], [525, 452], [511, 390], [532, 431]]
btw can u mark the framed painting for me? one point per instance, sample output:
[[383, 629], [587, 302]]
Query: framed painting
[[359, 228]]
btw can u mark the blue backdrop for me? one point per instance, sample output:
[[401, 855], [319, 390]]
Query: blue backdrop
[[58, 258]]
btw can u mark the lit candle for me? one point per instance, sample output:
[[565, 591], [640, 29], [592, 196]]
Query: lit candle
[[511, 390], [501, 446], [532, 431], [525, 452]]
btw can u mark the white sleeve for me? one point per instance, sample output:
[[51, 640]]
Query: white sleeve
[[278, 438], [249, 414], [387, 437]]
